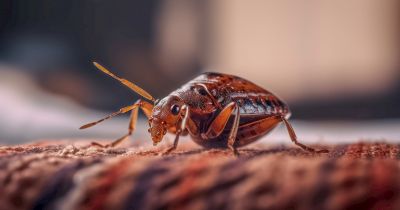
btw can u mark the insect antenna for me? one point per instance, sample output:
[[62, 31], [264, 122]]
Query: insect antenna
[[127, 83], [120, 111]]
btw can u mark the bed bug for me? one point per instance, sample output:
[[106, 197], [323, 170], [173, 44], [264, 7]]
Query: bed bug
[[216, 110]]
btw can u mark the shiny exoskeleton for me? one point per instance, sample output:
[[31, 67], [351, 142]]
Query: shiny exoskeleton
[[216, 110]]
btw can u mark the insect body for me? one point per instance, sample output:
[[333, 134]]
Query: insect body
[[216, 110]]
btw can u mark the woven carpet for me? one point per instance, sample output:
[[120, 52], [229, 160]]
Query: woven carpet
[[72, 177]]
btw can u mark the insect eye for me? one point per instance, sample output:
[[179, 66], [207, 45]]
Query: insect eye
[[175, 109], [202, 92]]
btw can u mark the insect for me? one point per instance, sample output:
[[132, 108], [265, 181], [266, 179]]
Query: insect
[[216, 110]]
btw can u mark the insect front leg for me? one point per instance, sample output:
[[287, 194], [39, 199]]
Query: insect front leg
[[180, 129], [293, 137], [146, 107], [219, 124]]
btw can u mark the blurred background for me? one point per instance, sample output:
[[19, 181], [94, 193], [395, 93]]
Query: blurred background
[[336, 63]]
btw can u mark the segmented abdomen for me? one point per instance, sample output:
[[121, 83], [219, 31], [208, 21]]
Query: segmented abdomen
[[251, 99]]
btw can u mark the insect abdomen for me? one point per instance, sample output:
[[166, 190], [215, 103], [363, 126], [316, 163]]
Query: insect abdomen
[[251, 98], [262, 105]]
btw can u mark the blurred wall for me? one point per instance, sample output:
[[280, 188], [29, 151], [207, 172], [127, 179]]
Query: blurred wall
[[327, 59], [309, 49], [55, 43]]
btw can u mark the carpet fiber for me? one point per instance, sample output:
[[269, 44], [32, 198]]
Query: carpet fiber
[[63, 176]]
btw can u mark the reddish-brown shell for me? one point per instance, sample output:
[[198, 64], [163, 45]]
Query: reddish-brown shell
[[209, 93]]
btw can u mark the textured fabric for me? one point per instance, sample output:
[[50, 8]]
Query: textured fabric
[[66, 177]]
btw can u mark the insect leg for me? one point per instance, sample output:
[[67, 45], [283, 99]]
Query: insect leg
[[146, 108], [293, 137], [181, 128], [233, 132], [131, 128], [219, 123]]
